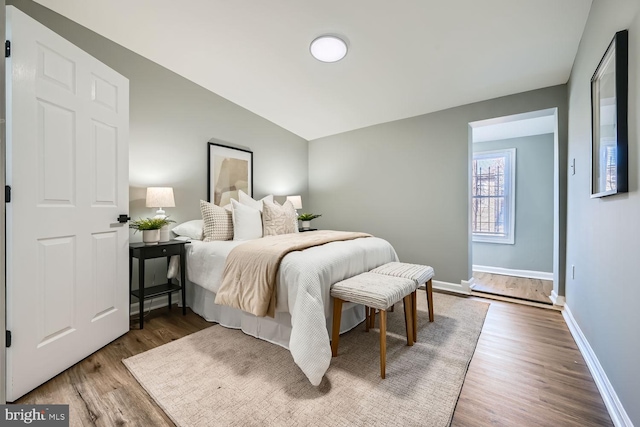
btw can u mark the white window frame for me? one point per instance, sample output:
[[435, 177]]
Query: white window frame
[[509, 193]]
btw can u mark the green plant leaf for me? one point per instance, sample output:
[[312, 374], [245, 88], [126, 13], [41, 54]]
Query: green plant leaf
[[308, 216], [149, 223]]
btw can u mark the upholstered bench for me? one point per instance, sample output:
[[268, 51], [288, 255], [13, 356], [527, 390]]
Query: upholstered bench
[[420, 274], [375, 291]]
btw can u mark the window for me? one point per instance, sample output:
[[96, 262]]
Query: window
[[493, 196]]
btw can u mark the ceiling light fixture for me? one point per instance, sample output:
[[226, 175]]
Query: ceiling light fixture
[[328, 48]]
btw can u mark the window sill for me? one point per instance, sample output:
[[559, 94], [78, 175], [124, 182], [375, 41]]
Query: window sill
[[495, 240]]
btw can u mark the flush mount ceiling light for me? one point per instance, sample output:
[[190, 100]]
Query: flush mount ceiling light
[[328, 48]]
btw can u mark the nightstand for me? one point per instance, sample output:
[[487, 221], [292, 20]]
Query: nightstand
[[161, 250], [302, 230]]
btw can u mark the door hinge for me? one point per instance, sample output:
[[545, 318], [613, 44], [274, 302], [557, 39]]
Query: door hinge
[[7, 194], [7, 49], [7, 338]]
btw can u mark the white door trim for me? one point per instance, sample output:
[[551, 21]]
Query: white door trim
[[3, 137]]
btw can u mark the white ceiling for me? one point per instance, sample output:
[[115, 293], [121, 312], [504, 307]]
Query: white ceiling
[[405, 58]]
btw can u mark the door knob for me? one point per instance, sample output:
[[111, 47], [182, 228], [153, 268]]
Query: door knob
[[123, 218]]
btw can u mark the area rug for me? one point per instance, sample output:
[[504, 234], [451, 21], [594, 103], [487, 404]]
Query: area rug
[[223, 377]]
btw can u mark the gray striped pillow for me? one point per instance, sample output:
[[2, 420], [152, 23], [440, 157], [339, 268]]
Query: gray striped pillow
[[218, 223]]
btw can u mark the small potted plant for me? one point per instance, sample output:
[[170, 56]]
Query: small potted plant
[[150, 228], [306, 219]]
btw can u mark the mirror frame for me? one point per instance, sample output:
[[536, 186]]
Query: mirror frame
[[616, 54]]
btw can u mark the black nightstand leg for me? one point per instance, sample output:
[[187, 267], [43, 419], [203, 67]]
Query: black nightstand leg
[[169, 281], [183, 279], [141, 289], [130, 277]]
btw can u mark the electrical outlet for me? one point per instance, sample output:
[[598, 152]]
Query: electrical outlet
[[573, 271]]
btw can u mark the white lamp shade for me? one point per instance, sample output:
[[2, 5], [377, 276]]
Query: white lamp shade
[[160, 197], [296, 201]]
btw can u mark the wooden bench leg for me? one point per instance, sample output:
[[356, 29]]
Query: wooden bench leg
[[429, 289], [373, 318], [408, 318], [414, 303], [383, 343], [367, 314], [414, 315], [335, 336]]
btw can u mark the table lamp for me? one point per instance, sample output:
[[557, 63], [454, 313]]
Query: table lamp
[[296, 201], [161, 197]]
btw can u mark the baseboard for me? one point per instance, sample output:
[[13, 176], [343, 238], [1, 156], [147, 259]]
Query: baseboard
[[556, 299], [157, 302], [462, 288], [614, 406], [543, 275]]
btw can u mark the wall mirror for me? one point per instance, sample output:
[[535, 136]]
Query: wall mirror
[[609, 86]]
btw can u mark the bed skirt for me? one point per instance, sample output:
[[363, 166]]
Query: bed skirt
[[275, 330]]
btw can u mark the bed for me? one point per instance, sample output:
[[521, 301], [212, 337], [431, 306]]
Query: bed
[[303, 304]]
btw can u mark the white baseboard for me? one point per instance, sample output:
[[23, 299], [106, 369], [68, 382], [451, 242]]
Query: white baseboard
[[543, 275], [154, 303], [462, 288], [614, 406], [556, 299]]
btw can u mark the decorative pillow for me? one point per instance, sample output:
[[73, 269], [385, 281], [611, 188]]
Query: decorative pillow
[[278, 219], [247, 200], [192, 229], [247, 223], [218, 224]]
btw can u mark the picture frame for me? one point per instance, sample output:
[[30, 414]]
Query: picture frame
[[229, 170], [609, 126]]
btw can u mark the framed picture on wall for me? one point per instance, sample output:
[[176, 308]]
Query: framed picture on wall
[[609, 88], [230, 169]]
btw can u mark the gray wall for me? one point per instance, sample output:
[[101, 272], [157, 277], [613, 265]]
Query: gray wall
[[408, 181], [171, 121], [603, 235], [533, 248]]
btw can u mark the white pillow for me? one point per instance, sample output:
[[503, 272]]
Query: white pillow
[[247, 222], [192, 229], [247, 200]]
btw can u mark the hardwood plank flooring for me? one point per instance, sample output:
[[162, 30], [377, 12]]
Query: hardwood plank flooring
[[536, 290], [526, 370]]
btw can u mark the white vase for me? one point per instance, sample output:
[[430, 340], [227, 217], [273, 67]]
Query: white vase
[[165, 234], [150, 237], [306, 224]]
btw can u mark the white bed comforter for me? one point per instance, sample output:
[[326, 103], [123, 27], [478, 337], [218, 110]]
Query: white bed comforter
[[303, 288]]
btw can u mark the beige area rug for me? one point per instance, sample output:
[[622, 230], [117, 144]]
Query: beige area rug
[[222, 377]]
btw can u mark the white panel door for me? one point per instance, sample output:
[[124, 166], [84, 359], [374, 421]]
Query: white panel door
[[67, 164]]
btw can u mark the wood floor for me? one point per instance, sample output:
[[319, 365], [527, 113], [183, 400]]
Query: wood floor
[[536, 290], [526, 371]]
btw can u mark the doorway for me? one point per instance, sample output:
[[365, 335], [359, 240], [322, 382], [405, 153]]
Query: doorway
[[514, 181]]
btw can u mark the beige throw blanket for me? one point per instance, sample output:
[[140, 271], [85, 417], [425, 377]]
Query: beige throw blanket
[[249, 279]]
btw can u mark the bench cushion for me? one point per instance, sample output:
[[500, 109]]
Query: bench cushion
[[373, 290], [418, 273]]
